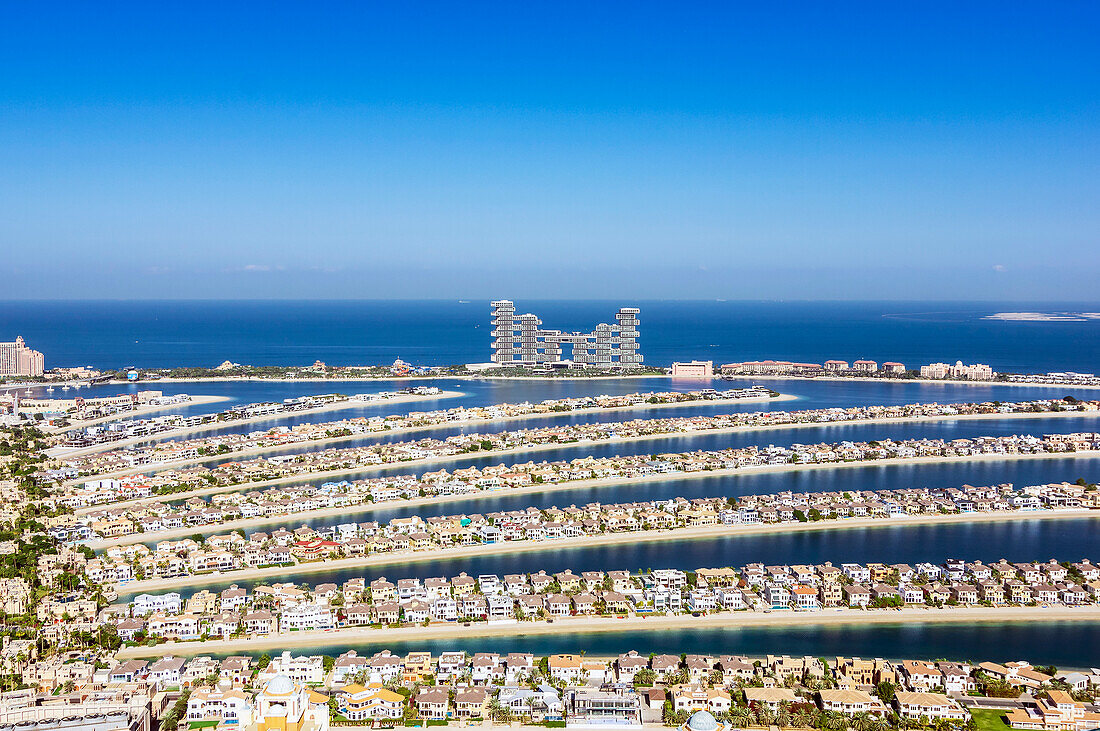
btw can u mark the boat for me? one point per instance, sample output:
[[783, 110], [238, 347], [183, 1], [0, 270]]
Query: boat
[[49, 390], [65, 387]]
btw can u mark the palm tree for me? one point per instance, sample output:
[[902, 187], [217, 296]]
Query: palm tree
[[498, 712], [740, 716], [802, 719], [861, 721], [765, 716], [783, 717], [834, 721]]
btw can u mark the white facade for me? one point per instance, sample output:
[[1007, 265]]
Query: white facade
[[230, 707], [303, 669], [148, 603]]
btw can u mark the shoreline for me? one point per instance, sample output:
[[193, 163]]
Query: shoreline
[[484, 377], [528, 546], [350, 403], [926, 381], [601, 625], [240, 487], [195, 401], [412, 429]]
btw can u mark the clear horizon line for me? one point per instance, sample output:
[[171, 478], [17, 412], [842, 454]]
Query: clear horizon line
[[472, 300]]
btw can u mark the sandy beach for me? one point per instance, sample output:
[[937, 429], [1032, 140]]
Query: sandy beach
[[62, 453], [195, 401], [777, 377], [899, 381], [393, 378], [1043, 316], [565, 486], [701, 381], [585, 625], [678, 534]]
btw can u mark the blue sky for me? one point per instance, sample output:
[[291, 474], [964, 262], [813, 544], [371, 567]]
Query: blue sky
[[541, 150]]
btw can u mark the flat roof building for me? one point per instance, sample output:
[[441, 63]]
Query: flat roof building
[[693, 369]]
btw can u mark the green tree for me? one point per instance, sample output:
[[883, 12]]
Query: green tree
[[176, 712], [862, 721], [740, 716], [885, 692], [833, 721]]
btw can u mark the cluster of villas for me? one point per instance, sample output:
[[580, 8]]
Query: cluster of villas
[[90, 408], [538, 596], [137, 428], [860, 369], [1057, 378], [471, 480], [283, 436], [133, 428], [300, 464], [695, 691], [363, 538], [832, 367]]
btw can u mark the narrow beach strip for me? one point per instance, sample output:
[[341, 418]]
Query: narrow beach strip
[[193, 401], [591, 625], [350, 403], [368, 436]]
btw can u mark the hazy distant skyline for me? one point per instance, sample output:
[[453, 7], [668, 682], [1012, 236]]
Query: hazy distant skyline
[[565, 150]]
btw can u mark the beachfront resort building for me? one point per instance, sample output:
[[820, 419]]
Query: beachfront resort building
[[16, 359], [521, 341], [974, 372], [693, 369]]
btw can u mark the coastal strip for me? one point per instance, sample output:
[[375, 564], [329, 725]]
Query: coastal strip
[[351, 403], [900, 381], [530, 546], [367, 469], [192, 401], [591, 625], [487, 376]]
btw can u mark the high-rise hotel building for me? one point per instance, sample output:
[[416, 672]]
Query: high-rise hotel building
[[16, 359], [522, 341]]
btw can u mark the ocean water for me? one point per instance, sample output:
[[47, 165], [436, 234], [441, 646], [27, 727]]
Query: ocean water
[[273, 332]]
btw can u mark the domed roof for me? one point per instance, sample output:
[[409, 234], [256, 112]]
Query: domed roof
[[702, 721], [281, 685]]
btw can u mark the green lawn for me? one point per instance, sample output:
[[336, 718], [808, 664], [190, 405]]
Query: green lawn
[[989, 719]]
